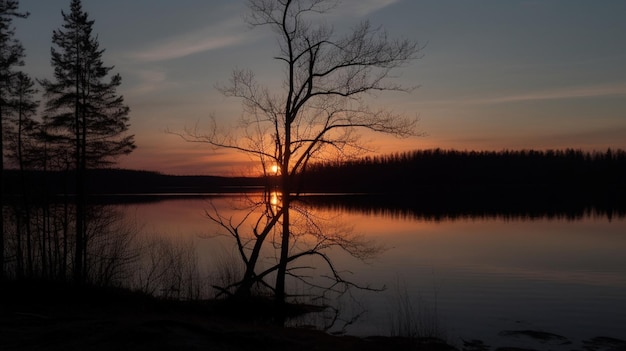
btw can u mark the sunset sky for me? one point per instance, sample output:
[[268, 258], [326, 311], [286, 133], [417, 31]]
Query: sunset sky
[[495, 74]]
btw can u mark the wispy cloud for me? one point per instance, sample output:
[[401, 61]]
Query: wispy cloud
[[229, 32], [579, 92], [226, 33], [364, 7], [603, 90], [150, 81]]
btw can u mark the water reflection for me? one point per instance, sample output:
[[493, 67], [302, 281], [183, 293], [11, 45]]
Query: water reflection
[[488, 269], [410, 208], [275, 200], [460, 208], [504, 270]]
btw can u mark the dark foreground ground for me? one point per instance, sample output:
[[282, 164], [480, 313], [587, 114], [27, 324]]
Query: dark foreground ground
[[37, 316]]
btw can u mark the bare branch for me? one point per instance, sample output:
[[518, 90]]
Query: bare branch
[[317, 113]]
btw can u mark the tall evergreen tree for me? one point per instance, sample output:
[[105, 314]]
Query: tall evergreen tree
[[23, 126], [84, 110], [11, 56], [22, 129]]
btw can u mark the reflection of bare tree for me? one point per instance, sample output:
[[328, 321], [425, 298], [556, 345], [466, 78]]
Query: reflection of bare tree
[[250, 233], [312, 235], [316, 116]]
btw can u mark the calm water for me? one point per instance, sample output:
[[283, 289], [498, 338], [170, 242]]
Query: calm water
[[483, 275]]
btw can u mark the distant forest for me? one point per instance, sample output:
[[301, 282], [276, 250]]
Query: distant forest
[[436, 184], [427, 184], [452, 170], [422, 172], [124, 181]]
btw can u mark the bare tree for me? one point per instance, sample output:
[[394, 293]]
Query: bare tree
[[316, 115]]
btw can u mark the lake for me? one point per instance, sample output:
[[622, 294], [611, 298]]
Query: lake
[[476, 275]]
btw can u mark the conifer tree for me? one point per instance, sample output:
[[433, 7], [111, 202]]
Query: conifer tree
[[21, 136], [11, 56], [84, 110], [23, 126]]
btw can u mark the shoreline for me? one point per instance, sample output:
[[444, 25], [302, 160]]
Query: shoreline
[[54, 317]]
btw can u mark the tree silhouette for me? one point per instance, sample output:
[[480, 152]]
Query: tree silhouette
[[21, 136], [22, 124], [84, 110], [316, 115], [11, 56]]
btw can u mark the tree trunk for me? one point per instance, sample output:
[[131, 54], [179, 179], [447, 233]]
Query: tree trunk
[[250, 278], [1, 197], [284, 247], [23, 189], [78, 251], [19, 258], [284, 256]]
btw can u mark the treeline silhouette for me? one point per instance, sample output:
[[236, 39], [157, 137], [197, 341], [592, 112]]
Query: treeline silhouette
[[450, 184], [45, 185], [437, 170], [529, 174], [427, 184]]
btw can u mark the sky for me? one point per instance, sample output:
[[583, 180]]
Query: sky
[[493, 75]]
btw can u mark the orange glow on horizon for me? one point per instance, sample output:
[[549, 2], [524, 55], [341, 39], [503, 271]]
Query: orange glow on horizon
[[171, 155]]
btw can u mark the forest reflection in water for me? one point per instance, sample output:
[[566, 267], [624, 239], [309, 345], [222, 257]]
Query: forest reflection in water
[[472, 206], [557, 270]]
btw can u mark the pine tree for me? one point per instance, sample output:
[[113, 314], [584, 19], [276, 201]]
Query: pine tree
[[22, 125], [20, 134], [11, 56], [84, 110]]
